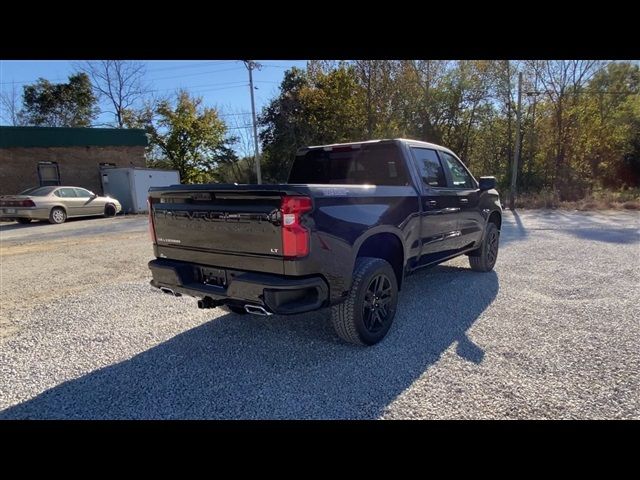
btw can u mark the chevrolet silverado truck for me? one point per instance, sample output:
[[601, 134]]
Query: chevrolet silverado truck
[[352, 222]]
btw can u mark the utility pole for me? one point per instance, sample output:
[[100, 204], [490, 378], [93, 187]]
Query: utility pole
[[516, 155], [250, 64]]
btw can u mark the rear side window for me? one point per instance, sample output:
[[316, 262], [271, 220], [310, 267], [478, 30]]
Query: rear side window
[[82, 193], [38, 191], [374, 164], [66, 193], [459, 176], [429, 167]]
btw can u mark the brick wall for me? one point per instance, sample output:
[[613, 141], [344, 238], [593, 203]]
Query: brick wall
[[79, 166]]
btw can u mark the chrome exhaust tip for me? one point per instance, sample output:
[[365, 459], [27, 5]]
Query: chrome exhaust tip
[[256, 310], [170, 292]]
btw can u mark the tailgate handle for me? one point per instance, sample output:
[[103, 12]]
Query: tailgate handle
[[275, 217]]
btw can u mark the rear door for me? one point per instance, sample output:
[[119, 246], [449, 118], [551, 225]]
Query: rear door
[[71, 202], [439, 223], [466, 194]]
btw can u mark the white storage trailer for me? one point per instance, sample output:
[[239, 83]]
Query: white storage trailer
[[130, 185]]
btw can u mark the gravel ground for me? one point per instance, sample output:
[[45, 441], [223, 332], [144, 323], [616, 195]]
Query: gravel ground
[[554, 332]]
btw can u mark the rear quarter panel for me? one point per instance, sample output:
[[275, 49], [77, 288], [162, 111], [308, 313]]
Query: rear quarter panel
[[344, 217]]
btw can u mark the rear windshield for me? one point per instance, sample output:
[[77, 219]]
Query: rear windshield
[[372, 164], [38, 192]]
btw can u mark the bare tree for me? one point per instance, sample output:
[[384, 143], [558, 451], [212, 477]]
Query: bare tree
[[120, 83], [10, 106], [238, 122]]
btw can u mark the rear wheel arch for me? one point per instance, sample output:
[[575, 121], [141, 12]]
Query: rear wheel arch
[[387, 246], [58, 207], [61, 207]]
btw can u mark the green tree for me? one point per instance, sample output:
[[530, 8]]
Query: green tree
[[326, 108], [186, 136], [608, 134], [70, 104], [580, 122], [286, 126]]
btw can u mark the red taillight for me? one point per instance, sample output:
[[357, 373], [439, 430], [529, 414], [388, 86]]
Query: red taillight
[[152, 227], [295, 237], [17, 203]]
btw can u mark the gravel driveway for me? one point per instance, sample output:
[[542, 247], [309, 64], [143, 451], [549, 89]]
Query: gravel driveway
[[554, 332]]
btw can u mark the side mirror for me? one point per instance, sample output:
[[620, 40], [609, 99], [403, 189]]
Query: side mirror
[[487, 183]]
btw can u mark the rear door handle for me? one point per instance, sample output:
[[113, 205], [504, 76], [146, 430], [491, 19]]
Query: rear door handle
[[464, 200], [432, 203]]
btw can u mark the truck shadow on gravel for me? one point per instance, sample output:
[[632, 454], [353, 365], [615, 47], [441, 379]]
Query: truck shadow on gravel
[[246, 367]]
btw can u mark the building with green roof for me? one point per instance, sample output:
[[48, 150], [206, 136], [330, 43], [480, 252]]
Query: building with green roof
[[31, 156]]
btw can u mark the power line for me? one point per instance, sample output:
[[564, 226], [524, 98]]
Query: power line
[[239, 83], [197, 73], [243, 83], [201, 64], [278, 66], [221, 88], [33, 81], [156, 78]]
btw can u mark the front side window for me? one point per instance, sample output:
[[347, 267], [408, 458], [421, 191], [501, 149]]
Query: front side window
[[429, 167], [459, 176]]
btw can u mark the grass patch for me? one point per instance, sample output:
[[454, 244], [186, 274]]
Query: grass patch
[[598, 200]]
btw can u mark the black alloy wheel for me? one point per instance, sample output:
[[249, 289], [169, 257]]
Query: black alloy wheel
[[375, 308]]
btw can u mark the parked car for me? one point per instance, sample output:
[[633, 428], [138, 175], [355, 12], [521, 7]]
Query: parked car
[[353, 220], [56, 204]]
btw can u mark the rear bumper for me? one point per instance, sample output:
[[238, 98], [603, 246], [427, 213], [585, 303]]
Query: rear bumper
[[33, 213], [278, 294]]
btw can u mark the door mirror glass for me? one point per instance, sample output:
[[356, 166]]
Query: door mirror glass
[[487, 183]]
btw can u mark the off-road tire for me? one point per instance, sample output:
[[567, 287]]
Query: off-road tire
[[347, 317], [485, 257]]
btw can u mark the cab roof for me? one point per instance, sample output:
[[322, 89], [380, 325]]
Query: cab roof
[[408, 141]]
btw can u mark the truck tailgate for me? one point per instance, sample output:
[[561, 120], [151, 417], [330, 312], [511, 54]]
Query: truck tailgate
[[223, 225]]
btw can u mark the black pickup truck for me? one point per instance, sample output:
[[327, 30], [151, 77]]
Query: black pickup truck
[[352, 222]]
